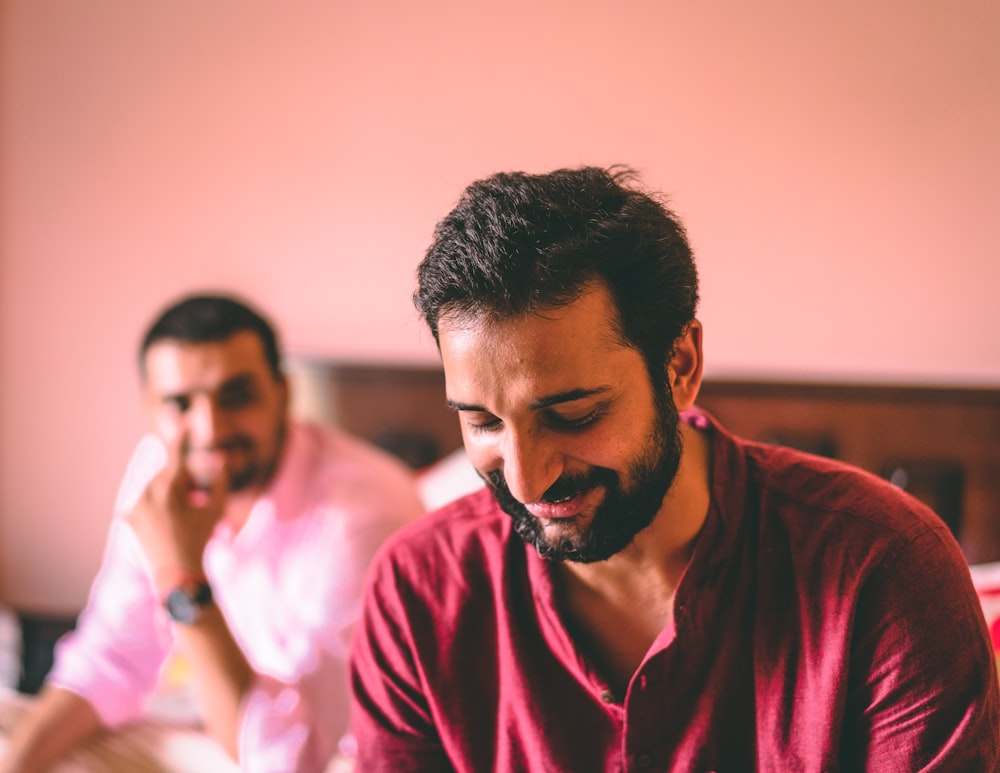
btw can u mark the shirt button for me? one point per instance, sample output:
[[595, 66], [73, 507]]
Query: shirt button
[[607, 696], [643, 761]]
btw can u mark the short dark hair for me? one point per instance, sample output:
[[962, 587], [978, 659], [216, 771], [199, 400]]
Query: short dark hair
[[519, 243], [201, 319]]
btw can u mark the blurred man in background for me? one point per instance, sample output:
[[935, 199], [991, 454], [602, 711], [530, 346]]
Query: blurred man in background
[[235, 562]]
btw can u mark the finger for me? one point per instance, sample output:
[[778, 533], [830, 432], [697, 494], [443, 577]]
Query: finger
[[177, 449], [161, 487], [179, 479]]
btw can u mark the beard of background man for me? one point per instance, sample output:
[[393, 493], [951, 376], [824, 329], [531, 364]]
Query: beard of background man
[[256, 471]]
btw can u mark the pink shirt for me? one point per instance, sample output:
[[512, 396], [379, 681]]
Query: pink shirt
[[288, 583], [826, 622]]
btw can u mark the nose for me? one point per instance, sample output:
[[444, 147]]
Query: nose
[[530, 465], [203, 422]]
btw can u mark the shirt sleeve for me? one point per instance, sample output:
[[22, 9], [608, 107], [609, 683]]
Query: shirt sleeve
[[113, 656], [923, 686], [392, 722]]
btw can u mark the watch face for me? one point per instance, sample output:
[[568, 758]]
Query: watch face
[[185, 605]]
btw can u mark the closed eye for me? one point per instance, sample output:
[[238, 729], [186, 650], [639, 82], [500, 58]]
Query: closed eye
[[483, 423], [574, 423]]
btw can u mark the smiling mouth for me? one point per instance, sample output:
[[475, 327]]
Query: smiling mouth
[[563, 508]]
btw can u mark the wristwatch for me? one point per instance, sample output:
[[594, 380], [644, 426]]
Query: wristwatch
[[186, 603]]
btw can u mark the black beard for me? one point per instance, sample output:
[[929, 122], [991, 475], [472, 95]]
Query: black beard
[[257, 472], [622, 514]]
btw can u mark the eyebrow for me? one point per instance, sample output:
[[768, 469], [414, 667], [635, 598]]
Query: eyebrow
[[239, 380], [236, 381], [542, 402]]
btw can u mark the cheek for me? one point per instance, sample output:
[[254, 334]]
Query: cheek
[[612, 446], [598, 452], [263, 426], [483, 452]]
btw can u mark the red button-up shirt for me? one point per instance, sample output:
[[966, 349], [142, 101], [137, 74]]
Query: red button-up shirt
[[826, 622]]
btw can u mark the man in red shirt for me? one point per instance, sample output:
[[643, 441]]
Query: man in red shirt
[[635, 588]]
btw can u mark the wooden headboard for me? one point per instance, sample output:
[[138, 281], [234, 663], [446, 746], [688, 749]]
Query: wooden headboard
[[941, 444]]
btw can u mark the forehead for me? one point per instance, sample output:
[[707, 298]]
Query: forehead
[[177, 366], [557, 349]]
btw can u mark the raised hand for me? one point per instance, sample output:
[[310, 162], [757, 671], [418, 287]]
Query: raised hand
[[177, 513]]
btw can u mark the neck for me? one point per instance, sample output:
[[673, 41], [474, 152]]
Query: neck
[[240, 503]]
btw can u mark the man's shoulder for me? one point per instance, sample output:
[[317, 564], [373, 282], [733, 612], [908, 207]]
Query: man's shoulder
[[331, 451], [328, 467], [816, 503], [807, 499], [466, 538], [471, 522], [821, 486]]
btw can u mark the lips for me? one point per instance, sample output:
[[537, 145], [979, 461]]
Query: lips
[[567, 507]]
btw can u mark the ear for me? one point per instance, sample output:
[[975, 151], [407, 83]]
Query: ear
[[286, 393], [684, 369]]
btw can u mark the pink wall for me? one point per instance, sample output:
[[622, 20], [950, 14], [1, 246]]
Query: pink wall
[[837, 165]]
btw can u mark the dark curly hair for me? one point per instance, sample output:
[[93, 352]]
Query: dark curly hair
[[518, 243]]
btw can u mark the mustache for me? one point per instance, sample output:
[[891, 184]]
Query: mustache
[[235, 443], [567, 486]]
